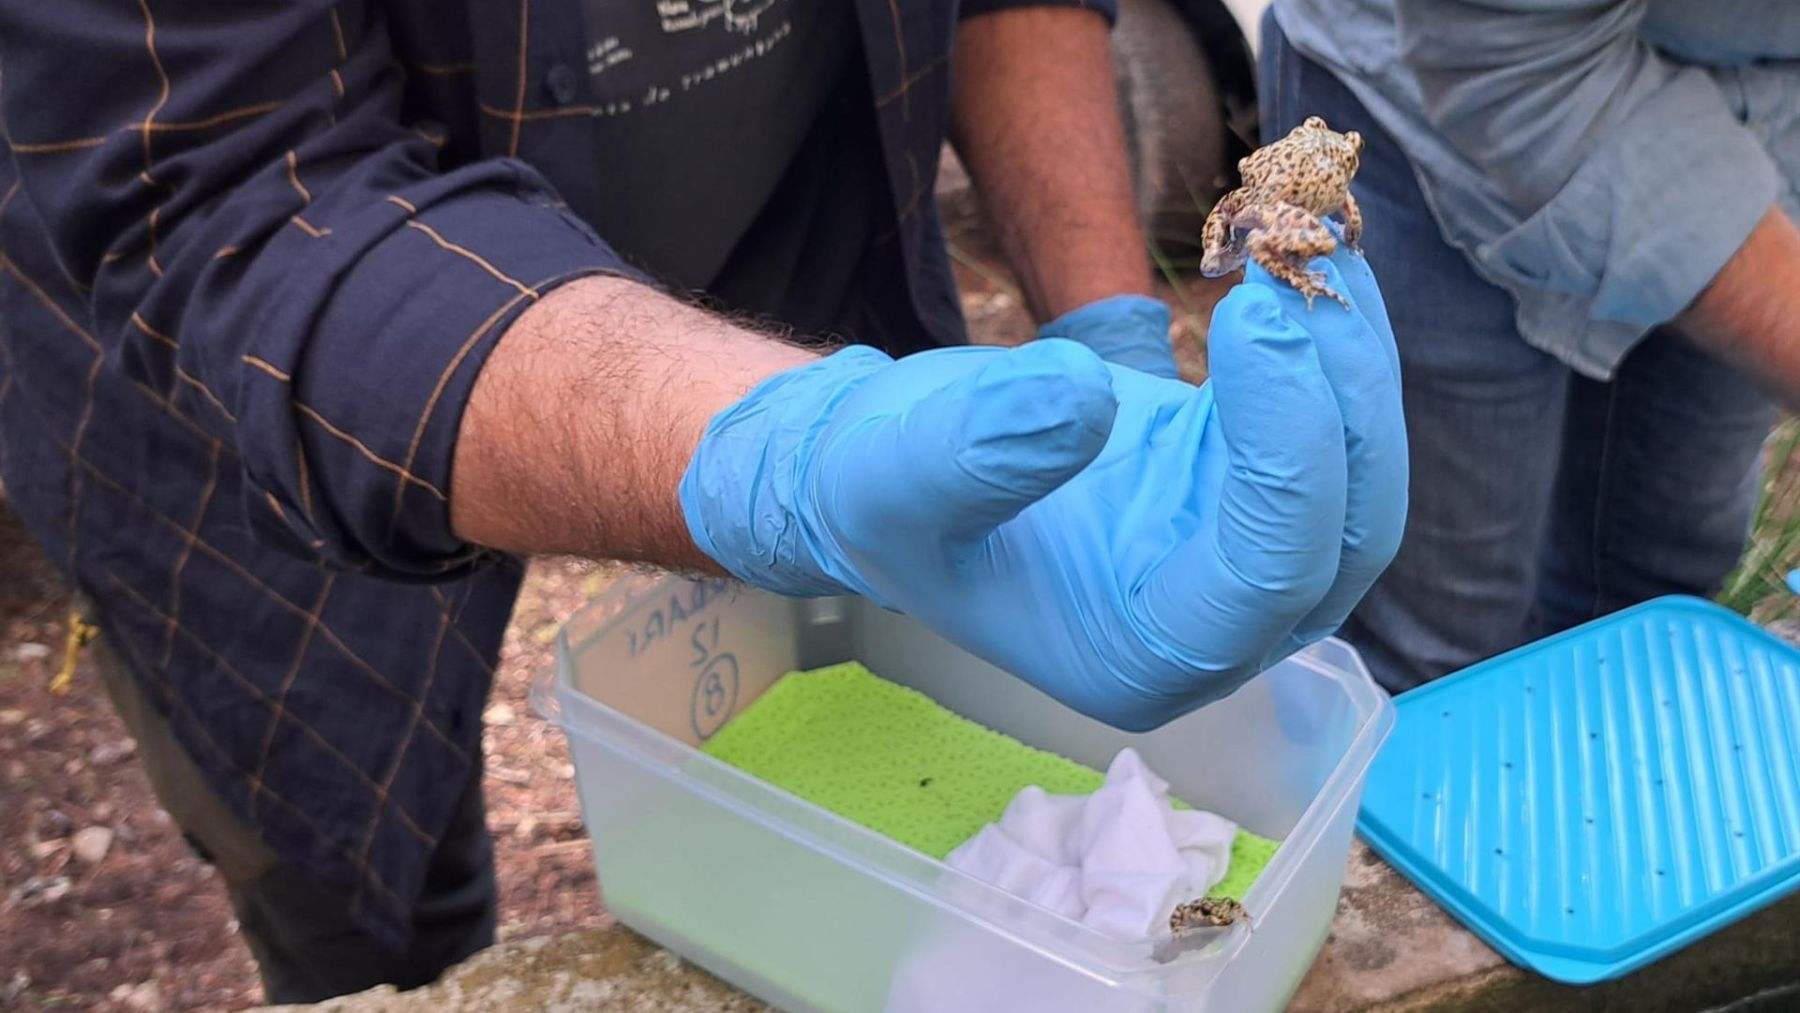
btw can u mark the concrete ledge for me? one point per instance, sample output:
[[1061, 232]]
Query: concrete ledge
[[608, 968], [1391, 950]]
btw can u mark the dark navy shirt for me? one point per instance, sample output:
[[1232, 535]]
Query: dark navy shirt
[[701, 109], [253, 254]]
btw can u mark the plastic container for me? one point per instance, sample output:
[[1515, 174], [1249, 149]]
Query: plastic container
[[808, 911]]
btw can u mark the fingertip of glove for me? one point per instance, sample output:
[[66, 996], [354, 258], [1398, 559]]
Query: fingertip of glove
[[1060, 361], [1254, 303], [1011, 432], [1154, 313], [1048, 383], [1055, 355], [1365, 288]]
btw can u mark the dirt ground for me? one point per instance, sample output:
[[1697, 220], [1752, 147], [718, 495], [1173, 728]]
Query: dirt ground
[[104, 907], [102, 904]]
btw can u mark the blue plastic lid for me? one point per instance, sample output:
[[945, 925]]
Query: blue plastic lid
[[1592, 802]]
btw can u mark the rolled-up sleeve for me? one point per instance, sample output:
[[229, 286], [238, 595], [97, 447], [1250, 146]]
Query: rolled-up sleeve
[[233, 185], [1600, 142]]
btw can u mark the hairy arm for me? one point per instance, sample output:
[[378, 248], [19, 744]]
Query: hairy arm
[[579, 428], [584, 419], [1749, 313], [411, 360], [1035, 119]]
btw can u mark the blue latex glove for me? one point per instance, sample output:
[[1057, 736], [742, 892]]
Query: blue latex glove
[[1133, 546], [1125, 330]]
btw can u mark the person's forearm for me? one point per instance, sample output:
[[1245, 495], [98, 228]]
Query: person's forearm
[[1750, 313], [1035, 120], [585, 416]]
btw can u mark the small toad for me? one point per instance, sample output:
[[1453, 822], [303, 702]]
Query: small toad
[[1276, 217], [1206, 912]]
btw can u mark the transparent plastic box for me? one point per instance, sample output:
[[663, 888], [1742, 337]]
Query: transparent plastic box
[[809, 911]]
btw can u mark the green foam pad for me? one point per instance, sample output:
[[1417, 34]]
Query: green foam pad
[[895, 761]]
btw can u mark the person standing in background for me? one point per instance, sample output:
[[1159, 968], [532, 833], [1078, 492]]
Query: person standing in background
[[1589, 206]]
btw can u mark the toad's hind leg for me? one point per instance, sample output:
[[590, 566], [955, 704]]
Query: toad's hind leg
[[1283, 240], [1353, 223], [1220, 255]]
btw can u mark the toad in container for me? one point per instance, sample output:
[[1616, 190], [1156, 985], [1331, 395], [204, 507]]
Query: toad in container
[[1207, 912]]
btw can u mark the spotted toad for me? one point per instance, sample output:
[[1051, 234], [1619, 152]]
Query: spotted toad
[[1275, 218], [1206, 912]]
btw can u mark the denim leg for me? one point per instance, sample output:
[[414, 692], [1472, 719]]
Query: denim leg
[[1484, 412], [1659, 476]]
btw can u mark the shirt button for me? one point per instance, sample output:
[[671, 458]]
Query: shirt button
[[562, 83]]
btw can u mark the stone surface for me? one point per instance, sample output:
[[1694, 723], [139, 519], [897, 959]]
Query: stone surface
[[1391, 950], [144, 997], [92, 843], [608, 968], [1387, 941]]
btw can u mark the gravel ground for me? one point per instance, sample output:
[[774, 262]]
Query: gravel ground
[[104, 907]]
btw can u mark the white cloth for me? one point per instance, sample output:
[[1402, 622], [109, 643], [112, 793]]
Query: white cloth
[[1119, 860]]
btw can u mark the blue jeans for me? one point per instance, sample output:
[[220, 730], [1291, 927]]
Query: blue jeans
[[1540, 498]]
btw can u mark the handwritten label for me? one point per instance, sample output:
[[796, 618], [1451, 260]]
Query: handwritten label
[[671, 618], [716, 681]]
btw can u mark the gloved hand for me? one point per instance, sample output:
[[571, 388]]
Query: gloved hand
[[1133, 546], [1125, 330]]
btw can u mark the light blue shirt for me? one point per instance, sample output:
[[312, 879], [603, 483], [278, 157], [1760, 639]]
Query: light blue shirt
[[1599, 159]]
